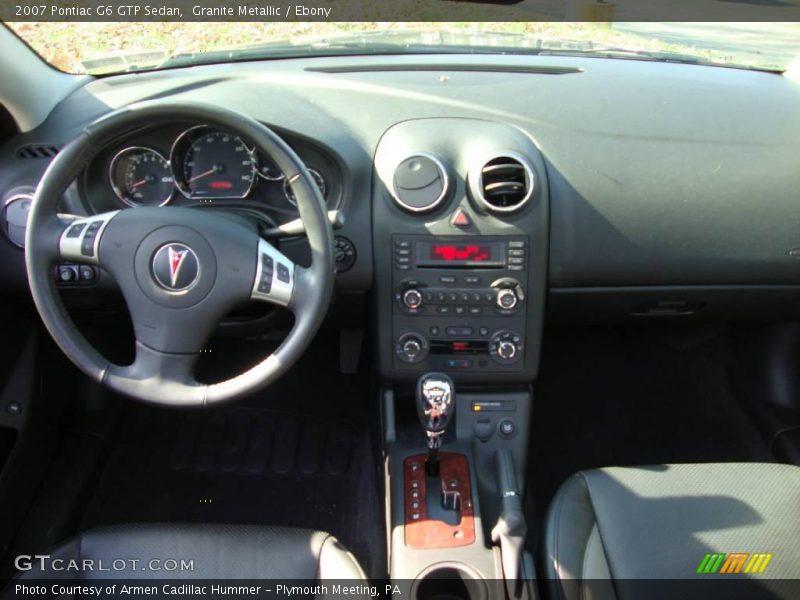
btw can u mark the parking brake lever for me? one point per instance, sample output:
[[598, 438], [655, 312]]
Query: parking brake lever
[[511, 527]]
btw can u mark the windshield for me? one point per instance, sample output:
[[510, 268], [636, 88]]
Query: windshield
[[98, 48]]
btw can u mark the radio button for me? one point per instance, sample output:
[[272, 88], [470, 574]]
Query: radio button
[[515, 267], [458, 331], [447, 279], [402, 252], [475, 310], [452, 296], [403, 243], [516, 260], [472, 279], [460, 310], [516, 252], [443, 310], [516, 244], [458, 363]]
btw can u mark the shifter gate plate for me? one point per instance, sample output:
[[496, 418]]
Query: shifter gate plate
[[421, 531]]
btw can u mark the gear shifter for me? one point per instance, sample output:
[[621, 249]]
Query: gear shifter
[[435, 406]]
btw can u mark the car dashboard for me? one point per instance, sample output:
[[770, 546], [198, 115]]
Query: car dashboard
[[658, 191]]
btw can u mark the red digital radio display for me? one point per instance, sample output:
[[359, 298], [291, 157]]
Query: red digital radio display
[[461, 254], [458, 252]]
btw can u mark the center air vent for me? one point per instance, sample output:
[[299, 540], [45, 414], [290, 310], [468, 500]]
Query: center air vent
[[503, 184], [420, 183]]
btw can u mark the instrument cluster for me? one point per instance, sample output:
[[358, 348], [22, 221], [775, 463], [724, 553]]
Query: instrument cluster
[[201, 164]]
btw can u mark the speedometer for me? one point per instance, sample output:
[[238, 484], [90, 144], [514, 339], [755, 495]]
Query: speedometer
[[212, 164], [141, 177]]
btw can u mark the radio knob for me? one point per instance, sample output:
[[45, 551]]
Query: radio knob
[[506, 298], [412, 299], [506, 350]]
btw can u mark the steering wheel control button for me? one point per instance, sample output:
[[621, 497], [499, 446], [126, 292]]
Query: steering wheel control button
[[283, 273], [67, 274], [176, 267], [267, 271], [274, 276], [87, 274], [75, 230]]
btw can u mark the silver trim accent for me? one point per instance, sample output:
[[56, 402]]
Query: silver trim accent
[[445, 184], [179, 179], [287, 185], [120, 193], [13, 198], [530, 181], [280, 292], [70, 248]]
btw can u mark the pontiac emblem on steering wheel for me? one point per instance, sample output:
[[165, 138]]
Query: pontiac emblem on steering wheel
[[176, 267]]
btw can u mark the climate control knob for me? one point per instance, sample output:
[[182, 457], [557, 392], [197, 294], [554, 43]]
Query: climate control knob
[[506, 347], [506, 350], [412, 299], [411, 347], [507, 298]]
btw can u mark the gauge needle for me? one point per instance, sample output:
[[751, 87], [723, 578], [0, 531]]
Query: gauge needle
[[211, 171], [138, 183]]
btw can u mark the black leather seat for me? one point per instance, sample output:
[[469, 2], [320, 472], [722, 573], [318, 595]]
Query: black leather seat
[[658, 523], [215, 552]]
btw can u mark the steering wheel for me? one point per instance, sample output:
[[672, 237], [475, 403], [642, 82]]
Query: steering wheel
[[180, 269]]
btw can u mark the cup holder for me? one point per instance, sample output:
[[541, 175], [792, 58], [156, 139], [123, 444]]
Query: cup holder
[[449, 581]]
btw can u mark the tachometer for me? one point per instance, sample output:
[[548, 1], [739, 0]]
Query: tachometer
[[212, 164], [141, 177], [318, 179]]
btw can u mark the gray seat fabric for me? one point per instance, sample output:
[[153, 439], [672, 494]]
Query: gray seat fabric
[[216, 552], [657, 523]]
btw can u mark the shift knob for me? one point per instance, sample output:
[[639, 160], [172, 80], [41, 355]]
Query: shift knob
[[435, 404]]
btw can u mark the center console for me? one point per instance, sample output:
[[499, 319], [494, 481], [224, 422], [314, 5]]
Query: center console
[[460, 226]]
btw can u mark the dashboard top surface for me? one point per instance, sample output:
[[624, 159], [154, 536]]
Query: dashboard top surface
[[659, 174]]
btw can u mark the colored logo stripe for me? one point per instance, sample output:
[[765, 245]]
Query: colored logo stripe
[[735, 562]]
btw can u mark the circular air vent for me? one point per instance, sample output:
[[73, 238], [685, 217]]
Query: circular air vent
[[419, 183], [503, 184], [15, 208]]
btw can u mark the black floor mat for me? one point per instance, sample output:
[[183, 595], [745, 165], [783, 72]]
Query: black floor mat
[[633, 396], [241, 465]]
